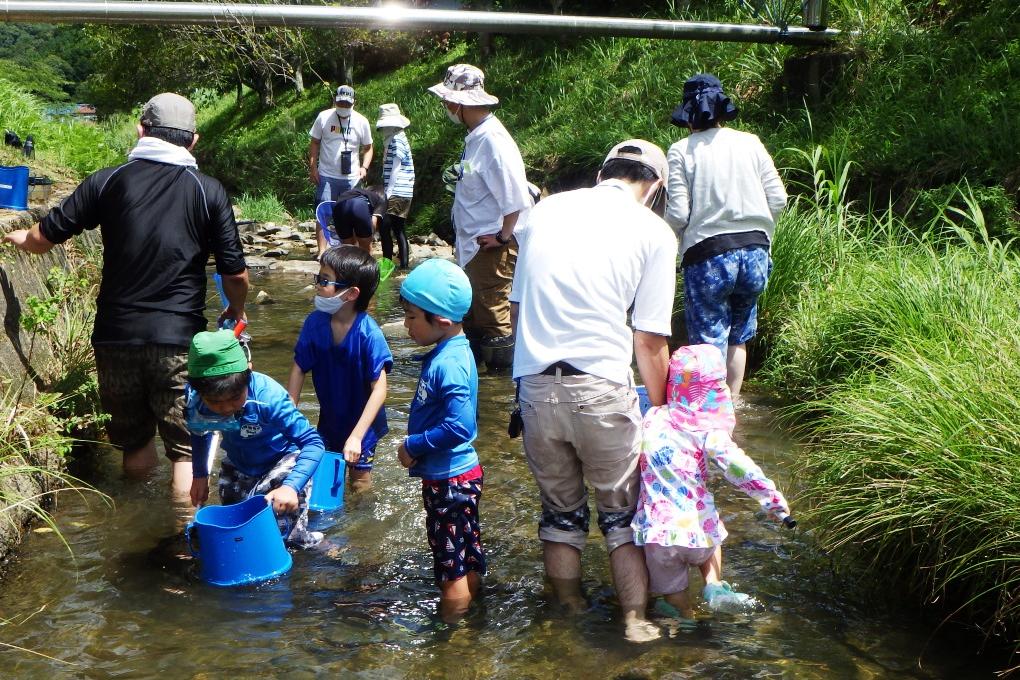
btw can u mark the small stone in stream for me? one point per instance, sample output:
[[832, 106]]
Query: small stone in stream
[[263, 298]]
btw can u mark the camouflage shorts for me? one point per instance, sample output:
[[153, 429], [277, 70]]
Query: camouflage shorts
[[142, 388], [235, 486]]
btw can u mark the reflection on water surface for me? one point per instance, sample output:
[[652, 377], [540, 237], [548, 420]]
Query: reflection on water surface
[[128, 605]]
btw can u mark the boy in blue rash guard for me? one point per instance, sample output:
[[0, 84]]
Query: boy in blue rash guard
[[440, 428], [348, 356], [270, 447]]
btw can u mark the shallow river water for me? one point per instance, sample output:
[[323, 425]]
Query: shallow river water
[[125, 601]]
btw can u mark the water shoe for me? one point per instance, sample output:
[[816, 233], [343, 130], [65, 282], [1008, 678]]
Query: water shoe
[[721, 597]]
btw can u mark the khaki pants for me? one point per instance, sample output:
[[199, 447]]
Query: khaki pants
[[576, 429], [491, 273]]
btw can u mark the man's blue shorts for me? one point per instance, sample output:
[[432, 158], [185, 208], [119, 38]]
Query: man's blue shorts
[[330, 188], [721, 296]]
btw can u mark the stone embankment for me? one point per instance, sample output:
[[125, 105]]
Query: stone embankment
[[23, 360]]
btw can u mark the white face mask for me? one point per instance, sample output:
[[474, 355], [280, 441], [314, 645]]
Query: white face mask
[[344, 112], [330, 305], [455, 117], [649, 198]]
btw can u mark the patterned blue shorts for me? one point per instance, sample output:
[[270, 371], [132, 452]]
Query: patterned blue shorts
[[454, 533], [721, 296]]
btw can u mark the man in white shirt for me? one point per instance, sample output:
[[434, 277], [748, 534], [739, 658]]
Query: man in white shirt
[[589, 259], [491, 198], [340, 150]]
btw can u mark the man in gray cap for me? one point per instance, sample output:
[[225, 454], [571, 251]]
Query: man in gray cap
[[578, 282], [160, 219], [340, 150], [491, 197]]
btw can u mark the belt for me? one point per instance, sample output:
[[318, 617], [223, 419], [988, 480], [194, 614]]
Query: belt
[[564, 369]]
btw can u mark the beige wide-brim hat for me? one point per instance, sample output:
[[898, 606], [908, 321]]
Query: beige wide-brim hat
[[390, 116], [464, 84]]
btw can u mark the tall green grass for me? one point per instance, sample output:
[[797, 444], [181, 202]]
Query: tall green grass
[[901, 351], [82, 147], [261, 208]]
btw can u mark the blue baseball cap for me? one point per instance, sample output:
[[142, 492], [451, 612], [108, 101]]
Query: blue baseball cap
[[440, 287]]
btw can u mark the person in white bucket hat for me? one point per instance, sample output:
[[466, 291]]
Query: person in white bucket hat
[[398, 180], [340, 149], [491, 198]]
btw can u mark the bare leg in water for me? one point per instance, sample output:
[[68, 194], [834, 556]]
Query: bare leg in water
[[139, 464], [455, 596], [630, 579]]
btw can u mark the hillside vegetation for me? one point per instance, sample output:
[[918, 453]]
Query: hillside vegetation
[[568, 101]]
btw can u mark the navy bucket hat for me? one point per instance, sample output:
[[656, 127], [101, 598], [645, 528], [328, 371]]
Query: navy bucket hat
[[704, 103]]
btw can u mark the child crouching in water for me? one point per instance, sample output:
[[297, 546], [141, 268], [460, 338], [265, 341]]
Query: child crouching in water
[[676, 520], [440, 428], [270, 446]]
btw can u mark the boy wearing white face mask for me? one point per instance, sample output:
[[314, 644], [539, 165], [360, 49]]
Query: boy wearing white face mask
[[348, 356]]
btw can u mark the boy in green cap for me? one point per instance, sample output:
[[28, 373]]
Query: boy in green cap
[[271, 448]]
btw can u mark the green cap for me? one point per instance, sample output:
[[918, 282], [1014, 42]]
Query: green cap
[[216, 353]]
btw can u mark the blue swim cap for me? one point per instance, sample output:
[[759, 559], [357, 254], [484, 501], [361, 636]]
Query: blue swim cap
[[438, 286]]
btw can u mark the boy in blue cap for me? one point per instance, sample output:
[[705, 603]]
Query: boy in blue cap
[[440, 428], [271, 448]]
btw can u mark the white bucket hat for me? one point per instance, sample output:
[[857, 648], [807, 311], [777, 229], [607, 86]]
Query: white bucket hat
[[464, 84], [390, 116]]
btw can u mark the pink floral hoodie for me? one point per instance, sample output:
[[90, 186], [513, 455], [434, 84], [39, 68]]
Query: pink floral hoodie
[[675, 508]]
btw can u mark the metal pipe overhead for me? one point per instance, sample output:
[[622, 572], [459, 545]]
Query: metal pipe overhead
[[397, 18]]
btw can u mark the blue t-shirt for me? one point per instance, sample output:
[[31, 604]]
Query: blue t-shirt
[[270, 427], [343, 375], [443, 419]]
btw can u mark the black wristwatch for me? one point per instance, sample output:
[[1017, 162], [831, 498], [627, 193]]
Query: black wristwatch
[[499, 237]]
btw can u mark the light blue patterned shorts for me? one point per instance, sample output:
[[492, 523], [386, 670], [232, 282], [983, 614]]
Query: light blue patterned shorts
[[721, 296]]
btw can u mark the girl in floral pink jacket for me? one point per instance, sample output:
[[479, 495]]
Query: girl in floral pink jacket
[[676, 520]]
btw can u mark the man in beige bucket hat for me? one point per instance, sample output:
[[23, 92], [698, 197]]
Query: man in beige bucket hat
[[398, 180], [492, 195]]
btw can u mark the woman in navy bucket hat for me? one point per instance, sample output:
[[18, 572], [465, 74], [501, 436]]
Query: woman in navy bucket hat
[[724, 198], [704, 103]]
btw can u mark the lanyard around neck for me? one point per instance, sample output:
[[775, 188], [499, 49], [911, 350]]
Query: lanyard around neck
[[342, 131]]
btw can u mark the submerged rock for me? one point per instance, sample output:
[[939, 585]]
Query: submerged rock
[[264, 298]]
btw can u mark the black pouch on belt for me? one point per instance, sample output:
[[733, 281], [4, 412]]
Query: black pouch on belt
[[516, 426]]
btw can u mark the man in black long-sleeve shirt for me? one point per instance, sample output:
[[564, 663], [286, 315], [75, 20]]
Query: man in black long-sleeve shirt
[[160, 219]]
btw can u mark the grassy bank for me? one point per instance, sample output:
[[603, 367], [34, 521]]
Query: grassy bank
[[63, 148], [48, 392], [899, 346]]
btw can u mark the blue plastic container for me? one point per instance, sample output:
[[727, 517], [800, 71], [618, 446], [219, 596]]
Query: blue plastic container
[[238, 544], [14, 187], [644, 403], [328, 483]]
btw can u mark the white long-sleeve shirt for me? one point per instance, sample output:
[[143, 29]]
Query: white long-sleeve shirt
[[722, 181]]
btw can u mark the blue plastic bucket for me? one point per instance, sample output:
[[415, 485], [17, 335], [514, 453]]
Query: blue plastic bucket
[[328, 483], [14, 187], [644, 403], [238, 544]]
